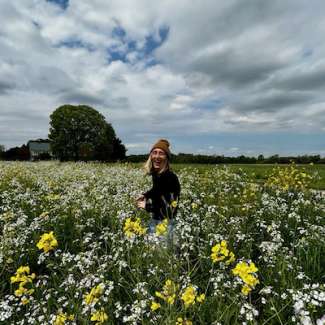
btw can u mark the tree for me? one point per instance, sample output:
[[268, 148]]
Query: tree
[[2, 150], [119, 150], [80, 133], [17, 153]]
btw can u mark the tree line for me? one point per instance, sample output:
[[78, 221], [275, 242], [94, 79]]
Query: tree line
[[187, 158], [23, 153]]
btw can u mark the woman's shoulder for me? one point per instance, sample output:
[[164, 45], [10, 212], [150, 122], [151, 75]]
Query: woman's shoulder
[[170, 174]]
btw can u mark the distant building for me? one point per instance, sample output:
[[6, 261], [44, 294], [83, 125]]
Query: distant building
[[39, 149]]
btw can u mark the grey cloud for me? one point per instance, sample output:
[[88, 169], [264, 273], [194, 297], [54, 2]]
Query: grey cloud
[[272, 102], [119, 103], [52, 80], [304, 81], [235, 70], [241, 123], [80, 97], [6, 86]]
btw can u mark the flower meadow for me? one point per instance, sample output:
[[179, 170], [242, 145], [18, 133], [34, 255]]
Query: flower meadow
[[75, 250]]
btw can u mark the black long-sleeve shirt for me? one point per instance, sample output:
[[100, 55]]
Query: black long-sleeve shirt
[[165, 190]]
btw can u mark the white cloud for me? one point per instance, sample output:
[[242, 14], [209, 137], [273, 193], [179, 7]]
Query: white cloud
[[224, 67]]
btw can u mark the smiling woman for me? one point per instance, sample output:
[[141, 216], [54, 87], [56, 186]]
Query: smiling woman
[[162, 199]]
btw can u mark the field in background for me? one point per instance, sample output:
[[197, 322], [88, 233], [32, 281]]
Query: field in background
[[260, 172]]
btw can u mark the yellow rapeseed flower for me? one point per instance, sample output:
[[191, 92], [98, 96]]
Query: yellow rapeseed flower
[[47, 242], [23, 277], [181, 321], [94, 295], [44, 214], [247, 273], [61, 318], [169, 292], [200, 298], [161, 228], [194, 205], [231, 259], [288, 178], [221, 252], [24, 301], [132, 228], [173, 204], [155, 306], [246, 290], [23, 291], [188, 296], [99, 316]]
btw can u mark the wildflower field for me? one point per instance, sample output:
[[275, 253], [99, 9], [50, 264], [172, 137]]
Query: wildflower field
[[75, 250]]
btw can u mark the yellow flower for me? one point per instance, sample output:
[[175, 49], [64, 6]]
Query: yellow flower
[[181, 321], [189, 296], [94, 295], [53, 197], [246, 290], [155, 306], [47, 242], [169, 292], [231, 259], [221, 252], [245, 272], [200, 298], [161, 228], [23, 277], [99, 316], [61, 318], [24, 301], [132, 228], [20, 291], [173, 204], [288, 178], [44, 214], [194, 205]]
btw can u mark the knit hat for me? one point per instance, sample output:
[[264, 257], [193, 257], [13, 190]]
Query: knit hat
[[162, 144]]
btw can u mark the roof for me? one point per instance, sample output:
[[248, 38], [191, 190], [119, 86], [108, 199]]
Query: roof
[[39, 146]]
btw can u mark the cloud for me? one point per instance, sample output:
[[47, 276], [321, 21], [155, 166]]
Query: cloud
[[170, 70], [5, 86]]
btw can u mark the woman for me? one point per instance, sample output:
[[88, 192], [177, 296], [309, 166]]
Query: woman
[[162, 199]]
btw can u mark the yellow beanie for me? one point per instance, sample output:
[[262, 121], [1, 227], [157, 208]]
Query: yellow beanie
[[162, 144]]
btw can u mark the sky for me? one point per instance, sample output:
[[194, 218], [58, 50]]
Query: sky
[[213, 77]]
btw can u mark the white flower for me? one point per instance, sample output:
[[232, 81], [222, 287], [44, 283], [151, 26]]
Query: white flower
[[321, 321]]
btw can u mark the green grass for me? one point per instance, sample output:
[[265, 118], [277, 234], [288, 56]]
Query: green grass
[[261, 172]]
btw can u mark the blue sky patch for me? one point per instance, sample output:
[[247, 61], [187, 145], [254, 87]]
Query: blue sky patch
[[307, 52], [146, 52], [209, 104], [62, 3], [152, 44], [75, 43], [118, 32]]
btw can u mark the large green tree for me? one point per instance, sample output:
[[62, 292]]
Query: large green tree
[[81, 133]]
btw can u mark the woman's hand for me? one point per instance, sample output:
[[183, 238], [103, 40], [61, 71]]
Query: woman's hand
[[141, 202]]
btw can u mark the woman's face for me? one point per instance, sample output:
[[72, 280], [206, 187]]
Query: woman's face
[[158, 158]]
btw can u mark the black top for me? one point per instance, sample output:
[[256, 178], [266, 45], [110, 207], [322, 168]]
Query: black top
[[165, 190]]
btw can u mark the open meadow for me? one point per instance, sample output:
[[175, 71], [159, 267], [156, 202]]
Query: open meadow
[[248, 246]]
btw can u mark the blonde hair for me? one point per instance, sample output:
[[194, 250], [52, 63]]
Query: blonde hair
[[148, 166]]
